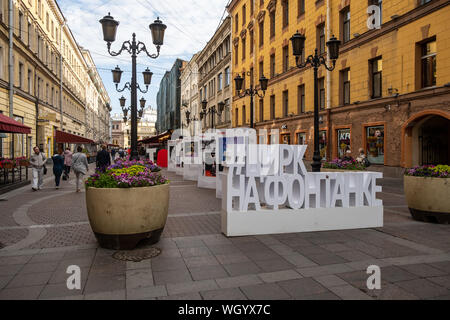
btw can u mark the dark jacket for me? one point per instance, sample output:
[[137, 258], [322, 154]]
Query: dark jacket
[[58, 164], [103, 159]]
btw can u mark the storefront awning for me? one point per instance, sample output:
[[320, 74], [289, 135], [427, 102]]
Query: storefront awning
[[157, 139], [64, 137], [8, 125]]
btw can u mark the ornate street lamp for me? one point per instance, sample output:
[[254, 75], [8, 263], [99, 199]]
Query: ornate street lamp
[[316, 60], [122, 101], [252, 91], [157, 28]]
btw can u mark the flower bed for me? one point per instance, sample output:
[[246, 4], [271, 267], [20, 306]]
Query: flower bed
[[427, 192], [127, 203], [7, 163], [127, 174], [339, 164]]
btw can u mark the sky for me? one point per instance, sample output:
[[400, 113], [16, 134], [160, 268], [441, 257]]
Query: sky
[[190, 25]]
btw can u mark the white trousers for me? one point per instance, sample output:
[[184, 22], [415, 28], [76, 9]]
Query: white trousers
[[38, 178], [79, 178]]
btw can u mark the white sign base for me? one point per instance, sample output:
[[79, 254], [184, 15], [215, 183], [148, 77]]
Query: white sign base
[[260, 222], [206, 182], [219, 178], [192, 171]]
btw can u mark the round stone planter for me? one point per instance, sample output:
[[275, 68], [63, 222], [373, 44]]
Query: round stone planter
[[428, 198], [122, 217]]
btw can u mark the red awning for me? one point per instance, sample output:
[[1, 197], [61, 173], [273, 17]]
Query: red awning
[[64, 137], [8, 125]]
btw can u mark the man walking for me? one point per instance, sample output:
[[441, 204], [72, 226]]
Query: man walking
[[37, 162], [103, 159]]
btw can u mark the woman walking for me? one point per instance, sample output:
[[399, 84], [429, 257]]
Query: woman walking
[[58, 166], [67, 162], [80, 166]]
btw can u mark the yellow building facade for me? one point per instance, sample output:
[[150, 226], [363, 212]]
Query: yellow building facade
[[44, 52], [389, 87]]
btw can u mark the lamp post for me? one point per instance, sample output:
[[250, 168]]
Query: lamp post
[[109, 26], [189, 119], [211, 111], [252, 91], [316, 60]]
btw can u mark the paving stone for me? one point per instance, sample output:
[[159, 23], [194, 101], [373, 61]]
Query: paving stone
[[348, 292], [364, 264], [239, 281], [321, 296], [4, 280], [282, 249], [167, 264], [46, 257], [171, 276], [225, 249], [279, 276], [330, 281], [20, 260], [166, 243], [303, 287], [39, 267], [193, 262], [395, 274], [195, 252], [215, 239], [146, 292], [108, 269], [224, 294], [107, 295], [334, 247], [423, 288], [60, 275], [29, 279], [242, 268], [423, 270], [443, 266], [443, 281], [231, 258], [84, 253], [299, 260], [8, 270], [144, 264], [97, 283], [353, 255], [192, 286], [170, 253], [27, 293], [185, 296], [77, 261], [58, 291], [189, 242], [390, 291], [326, 259], [208, 272], [139, 278], [260, 255], [266, 291], [274, 265], [324, 270]]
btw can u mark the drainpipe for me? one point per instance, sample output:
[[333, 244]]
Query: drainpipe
[[61, 64], [328, 56], [11, 69]]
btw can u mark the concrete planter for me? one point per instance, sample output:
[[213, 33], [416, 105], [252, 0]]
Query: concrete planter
[[121, 217], [428, 198]]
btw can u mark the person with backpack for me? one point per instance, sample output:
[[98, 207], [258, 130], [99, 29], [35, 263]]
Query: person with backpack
[[80, 166], [362, 158], [58, 167], [37, 163]]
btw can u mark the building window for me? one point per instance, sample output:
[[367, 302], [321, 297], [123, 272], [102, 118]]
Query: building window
[[323, 144], [244, 120], [321, 38], [424, 1], [261, 33], [375, 144], [272, 107], [236, 23], [272, 65], [20, 24], [236, 117], [272, 24], [345, 87], [219, 81], [301, 138], [252, 75], [343, 141], [227, 76], [345, 24], [301, 99], [286, 138], [236, 54], [261, 110], [251, 41], [428, 63], [243, 48], [376, 68], [285, 5], [322, 93], [244, 14], [285, 58], [21, 75], [29, 79], [301, 7], [285, 103]]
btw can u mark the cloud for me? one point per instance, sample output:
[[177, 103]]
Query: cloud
[[190, 25]]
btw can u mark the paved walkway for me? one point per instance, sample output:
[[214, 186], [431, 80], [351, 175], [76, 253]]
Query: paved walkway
[[42, 233]]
